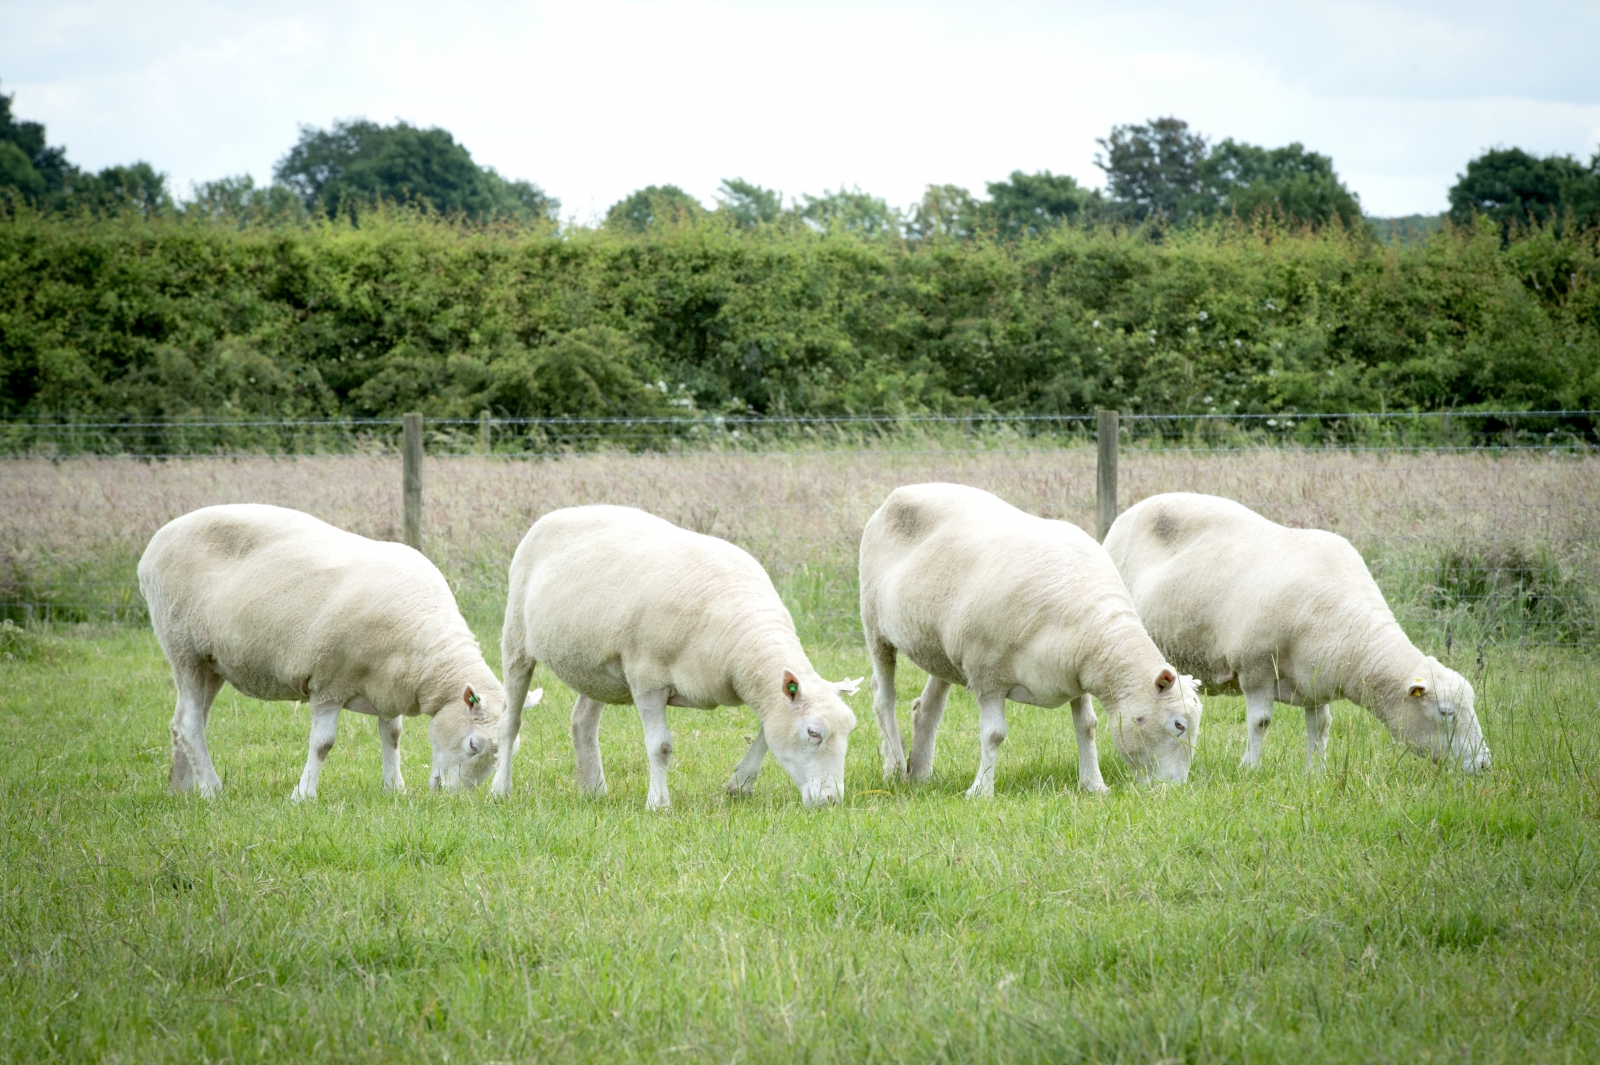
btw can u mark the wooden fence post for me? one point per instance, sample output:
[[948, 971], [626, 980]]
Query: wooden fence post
[[411, 486], [483, 431], [1105, 482]]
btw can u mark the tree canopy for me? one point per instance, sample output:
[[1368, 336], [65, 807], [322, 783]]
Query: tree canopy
[[852, 211], [1031, 203], [748, 204], [359, 161], [1515, 188], [652, 206], [1163, 169], [42, 176]]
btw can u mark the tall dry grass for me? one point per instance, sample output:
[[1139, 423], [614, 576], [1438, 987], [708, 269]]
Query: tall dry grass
[[71, 530]]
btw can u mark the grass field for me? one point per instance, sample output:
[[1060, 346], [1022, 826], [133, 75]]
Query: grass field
[[1383, 910]]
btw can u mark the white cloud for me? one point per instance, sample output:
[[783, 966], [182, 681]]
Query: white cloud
[[593, 100]]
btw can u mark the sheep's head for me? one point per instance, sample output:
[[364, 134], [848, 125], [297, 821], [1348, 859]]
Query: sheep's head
[[1436, 717], [466, 735], [1156, 726], [809, 733]]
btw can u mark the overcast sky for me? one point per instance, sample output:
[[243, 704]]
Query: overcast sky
[[593, 100]]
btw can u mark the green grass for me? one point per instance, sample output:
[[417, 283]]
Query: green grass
[[1382, 910]]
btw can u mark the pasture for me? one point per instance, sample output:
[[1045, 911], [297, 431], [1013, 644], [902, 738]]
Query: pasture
[[1384, 909]]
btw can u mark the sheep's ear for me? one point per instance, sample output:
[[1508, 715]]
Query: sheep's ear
[[791, 685], [533, 698], [470, 697], [1165, 679], [1418, 688], [848, 687]]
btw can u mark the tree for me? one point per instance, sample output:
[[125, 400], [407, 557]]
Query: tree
[[1162, 170], [42, 176], [652, 206], [1243, 178], [750, 205], [358, 161], [26, 164], [851, 210], [239, 200], [1032, 203], [1515, 188], [1155, 170], [945, 210]]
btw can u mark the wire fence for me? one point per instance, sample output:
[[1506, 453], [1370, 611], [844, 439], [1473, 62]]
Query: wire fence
[[1482, 528], [1384, 431]]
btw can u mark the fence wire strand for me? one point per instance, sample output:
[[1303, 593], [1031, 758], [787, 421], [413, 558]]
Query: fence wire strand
[[1480, 526]]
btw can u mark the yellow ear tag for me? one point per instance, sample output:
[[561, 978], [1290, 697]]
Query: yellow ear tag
[[1417, 690]]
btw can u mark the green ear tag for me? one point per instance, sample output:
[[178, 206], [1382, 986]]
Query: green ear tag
[[792, 688]]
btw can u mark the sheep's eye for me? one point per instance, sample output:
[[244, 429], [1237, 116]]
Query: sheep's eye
[[1180, 726]]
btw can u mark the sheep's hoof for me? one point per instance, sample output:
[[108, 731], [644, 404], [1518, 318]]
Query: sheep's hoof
[[1097, 788]]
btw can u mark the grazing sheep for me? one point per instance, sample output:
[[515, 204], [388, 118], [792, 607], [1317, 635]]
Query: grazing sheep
[[628, 608], [1286, 615], [286, 607], [1014, 607]]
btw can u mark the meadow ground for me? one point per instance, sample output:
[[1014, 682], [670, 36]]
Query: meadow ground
[[1383, 909]]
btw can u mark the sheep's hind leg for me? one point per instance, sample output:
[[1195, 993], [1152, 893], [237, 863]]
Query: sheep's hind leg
[[657, 744], [198, 685], [389, 738], [1318, 720], [324, 728], [890, 744], [1258, 716], [926, 713], [743, 780], [1083, 723], [991, 734], [586, 746]]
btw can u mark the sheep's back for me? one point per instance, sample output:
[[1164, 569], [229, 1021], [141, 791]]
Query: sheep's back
[[272, 597]]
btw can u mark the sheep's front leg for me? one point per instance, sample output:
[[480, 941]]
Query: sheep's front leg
[[743, 780], [1083, 723], [586, 746], [657, 744], [324, 727], [991, 734], [926, 713], [889, 744], [1257, 716], [389, 738], [192, 770], [518, 675], [1318, 720]]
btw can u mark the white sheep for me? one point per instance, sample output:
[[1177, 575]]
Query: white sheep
[[286, 607], [1012, 606], [1285, 615], [625, 607]]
